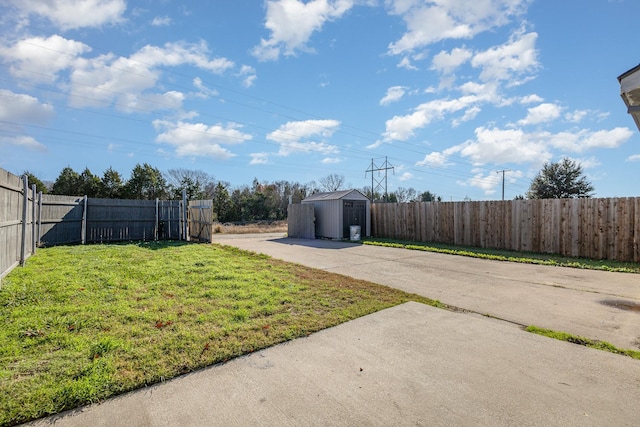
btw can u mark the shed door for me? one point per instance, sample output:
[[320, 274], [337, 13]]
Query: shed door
[[354, 213]]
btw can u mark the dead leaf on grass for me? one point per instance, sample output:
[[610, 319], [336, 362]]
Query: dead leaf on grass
[[160, 324]]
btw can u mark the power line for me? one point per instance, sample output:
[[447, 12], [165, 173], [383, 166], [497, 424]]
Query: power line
[[404, 145]]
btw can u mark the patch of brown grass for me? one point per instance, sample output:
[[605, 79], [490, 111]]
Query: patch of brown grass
[[251, 228]]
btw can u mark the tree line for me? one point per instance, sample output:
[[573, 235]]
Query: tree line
[[269, 200]]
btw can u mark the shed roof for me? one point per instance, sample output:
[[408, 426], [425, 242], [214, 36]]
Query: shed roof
[[337, 195]]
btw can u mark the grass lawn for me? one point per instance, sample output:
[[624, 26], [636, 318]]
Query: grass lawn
[[83, 323], [511, 256]]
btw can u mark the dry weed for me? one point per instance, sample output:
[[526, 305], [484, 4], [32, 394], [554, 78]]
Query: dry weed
[[251, 228]]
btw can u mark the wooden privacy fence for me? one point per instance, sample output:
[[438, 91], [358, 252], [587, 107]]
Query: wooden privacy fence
[[590, 228], [201, 220], [29, 219], [17, 227], [67, 219]]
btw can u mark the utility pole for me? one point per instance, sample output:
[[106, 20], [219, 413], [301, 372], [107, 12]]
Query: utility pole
[[503, 172], [379, 182]]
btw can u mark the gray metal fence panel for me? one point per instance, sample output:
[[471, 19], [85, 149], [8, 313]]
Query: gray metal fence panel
[[61, 220], [11, 205]]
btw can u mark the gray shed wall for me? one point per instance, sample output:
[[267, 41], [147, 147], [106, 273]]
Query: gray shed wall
[[329, 216]]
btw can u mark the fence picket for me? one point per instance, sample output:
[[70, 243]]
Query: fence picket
[[590, 228]]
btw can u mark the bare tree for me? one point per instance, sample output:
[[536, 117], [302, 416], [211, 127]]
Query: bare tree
[[404, 195], [198, 184], [332, 182]]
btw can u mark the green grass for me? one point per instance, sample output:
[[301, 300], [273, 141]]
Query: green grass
[[511, 256], [79, 324], [587, 342]]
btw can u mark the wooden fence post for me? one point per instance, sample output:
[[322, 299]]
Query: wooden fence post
[[25, 206], [155, 233], [39, 229], [83, 230], [185, 209], [33, 219]]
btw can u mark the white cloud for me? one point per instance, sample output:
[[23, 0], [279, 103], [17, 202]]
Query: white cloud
[[585, 139], [161, 21], [401, 128], [171, 100], [293, 131], [292, 147], [17, 110], [406, 64], [20, 108], [205, 92], [331, 160], [503, 146], [446, 63], [488, 91], [175, 54], [294, 136], [587, 162], [249, 81], [541, 114], [434, 159], [469, 115], [248, 74], [406, 176], [531, 99], [433, 21], [514, 59], [23, 141], [487, 183], [106, 79], [39, 59], [259, 158], [394, 94], [634, 158], [576, 116], [73, 14], [293, 22], [199, 139]]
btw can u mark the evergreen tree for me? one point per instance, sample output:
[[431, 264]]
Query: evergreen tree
[[428, 196], [560, 180], [67, 183], [89, 184], [40, 186], [111, 185], [222, 203], [146, 183]]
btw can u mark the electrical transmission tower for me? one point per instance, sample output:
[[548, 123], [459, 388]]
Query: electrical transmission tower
[[378, 183]]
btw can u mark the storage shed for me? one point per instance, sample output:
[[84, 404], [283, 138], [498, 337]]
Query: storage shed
[[338, 211]]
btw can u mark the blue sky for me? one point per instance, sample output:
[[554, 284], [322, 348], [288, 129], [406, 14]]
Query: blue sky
[[450, 91]]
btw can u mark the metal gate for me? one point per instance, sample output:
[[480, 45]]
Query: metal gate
[[200, 220]]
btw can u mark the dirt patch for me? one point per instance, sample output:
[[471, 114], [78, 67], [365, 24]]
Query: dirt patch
[[622, 305]]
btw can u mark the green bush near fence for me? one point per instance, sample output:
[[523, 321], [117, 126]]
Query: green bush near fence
[[83, 323]]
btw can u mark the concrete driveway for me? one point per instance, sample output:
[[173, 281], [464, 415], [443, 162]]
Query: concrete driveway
[[596, 304], [414, 364]]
